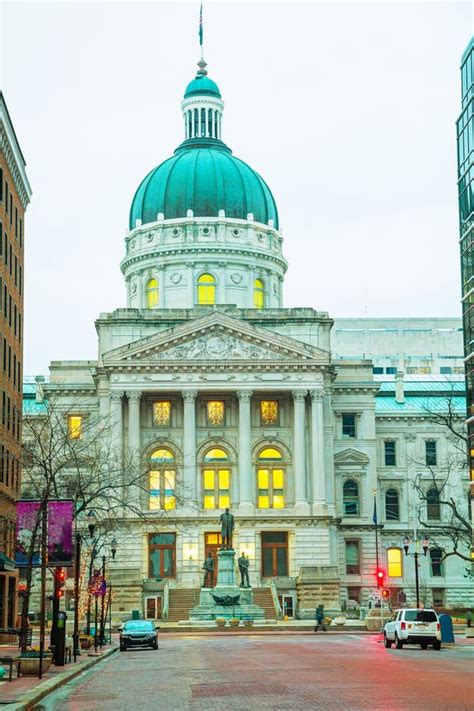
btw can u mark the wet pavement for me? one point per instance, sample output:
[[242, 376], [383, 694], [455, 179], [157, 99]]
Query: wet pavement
[[351, 672]]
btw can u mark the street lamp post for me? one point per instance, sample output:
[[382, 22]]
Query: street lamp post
[[425, 545], [77, 573]]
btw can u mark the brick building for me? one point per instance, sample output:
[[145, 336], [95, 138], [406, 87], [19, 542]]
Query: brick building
[[15, 194]]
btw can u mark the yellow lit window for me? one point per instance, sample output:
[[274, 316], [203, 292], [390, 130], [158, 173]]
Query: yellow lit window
[[162, 413], [394, 559], [152, 294], [258, 294], [215, 413], [216, 481], [271, 480], [206, 290], [74, 426], [162, 480], [268, 412]]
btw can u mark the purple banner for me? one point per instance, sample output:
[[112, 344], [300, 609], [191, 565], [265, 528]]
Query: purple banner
[[27, 520], [60, 515]]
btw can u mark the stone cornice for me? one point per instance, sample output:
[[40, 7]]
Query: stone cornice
[[13, 155]]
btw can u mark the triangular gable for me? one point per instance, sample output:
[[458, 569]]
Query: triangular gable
[[352, 457], [216, 337]]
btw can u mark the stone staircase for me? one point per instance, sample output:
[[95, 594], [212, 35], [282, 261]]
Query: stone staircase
[[181, 601], [263, 598]]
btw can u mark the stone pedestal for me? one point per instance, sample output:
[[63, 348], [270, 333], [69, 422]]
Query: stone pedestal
[[318, 585], [209, 609]]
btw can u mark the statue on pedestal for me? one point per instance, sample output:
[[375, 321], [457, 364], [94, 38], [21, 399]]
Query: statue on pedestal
[[227, 527], [209, 574], [244, 571]]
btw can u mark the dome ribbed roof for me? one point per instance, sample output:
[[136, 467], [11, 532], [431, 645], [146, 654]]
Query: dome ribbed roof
[[203, 177], [202, 86]]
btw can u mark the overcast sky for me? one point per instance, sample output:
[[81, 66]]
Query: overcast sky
[[347, 110]]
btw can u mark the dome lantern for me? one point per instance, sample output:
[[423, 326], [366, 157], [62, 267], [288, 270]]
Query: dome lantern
[[202, 107]]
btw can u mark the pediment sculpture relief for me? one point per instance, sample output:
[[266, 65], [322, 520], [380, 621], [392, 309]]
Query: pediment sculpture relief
[[222, 347]]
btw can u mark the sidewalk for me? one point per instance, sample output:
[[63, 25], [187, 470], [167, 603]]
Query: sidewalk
[[21, 693]]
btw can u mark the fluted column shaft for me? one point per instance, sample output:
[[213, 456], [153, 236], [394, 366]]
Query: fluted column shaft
[[317, 447], [189, 447], [245, 456], [299, 468], [134, 398], [116, 417]]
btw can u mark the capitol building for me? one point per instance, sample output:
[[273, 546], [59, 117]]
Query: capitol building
[[294, 420]]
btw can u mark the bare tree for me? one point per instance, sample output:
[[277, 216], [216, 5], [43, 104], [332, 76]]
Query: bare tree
[[445, 510]]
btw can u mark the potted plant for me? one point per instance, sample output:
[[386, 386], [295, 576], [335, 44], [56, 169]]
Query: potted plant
[[248, 624], [234, 622], [220, 622], [30, 662]]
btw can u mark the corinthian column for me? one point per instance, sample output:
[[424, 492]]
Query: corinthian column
[[246, 487], [116, 417], [134, 398], [189, 448], [318, 474], [299, 455]]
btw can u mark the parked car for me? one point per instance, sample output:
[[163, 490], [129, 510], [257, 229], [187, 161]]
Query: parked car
[[138, 633], [413, 626]]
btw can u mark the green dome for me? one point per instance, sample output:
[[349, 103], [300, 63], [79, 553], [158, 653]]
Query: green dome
[[203, 177], [202, 86]]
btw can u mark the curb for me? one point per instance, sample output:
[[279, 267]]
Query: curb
[[30, 698]]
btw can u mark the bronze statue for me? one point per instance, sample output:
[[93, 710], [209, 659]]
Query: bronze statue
[[227, 526], [209, 568], [244, 571]]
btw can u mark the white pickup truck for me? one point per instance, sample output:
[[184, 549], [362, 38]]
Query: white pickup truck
[[413, 626]]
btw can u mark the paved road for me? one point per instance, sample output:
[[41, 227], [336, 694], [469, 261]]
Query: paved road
[[348, 672]]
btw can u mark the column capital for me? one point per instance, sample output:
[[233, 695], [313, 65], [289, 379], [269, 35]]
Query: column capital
[[244, 395], [116, 395], [134, 395], [299, 395], [189, 395], [317, 395]]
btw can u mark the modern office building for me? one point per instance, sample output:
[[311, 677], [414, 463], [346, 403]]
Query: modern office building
[[15, 193]]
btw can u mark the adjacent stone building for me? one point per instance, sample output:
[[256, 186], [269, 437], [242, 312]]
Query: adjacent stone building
[[230, 399]]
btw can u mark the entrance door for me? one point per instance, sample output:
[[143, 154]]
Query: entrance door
[[212, 543], [286, 604], [153, 608]]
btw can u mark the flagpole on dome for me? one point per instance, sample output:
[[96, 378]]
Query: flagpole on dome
[[201, 34]]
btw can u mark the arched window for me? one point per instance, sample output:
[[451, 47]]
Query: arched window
[[216, 479], [258, 294], [152, 294], [162, 478], [394, 561], [392, 507], [270, 479], [206, 290], [209, 122], [350, 498], [433, 507], [196, 122]]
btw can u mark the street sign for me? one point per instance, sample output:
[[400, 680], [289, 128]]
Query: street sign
[[375, 595]]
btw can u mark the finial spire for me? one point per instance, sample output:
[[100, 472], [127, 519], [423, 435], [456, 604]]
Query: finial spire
[[202, 71]]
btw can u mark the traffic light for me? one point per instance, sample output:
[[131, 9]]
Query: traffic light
[[380, 577], [385, 594], [59, 582]]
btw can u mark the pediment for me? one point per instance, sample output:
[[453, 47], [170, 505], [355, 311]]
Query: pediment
[[216, 337], [352, 457]]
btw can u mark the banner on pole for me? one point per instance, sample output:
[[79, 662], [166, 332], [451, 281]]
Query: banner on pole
[[60, 544], [28, 527]]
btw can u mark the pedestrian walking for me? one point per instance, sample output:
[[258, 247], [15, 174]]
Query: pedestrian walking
[[469, 618], [320, 618]]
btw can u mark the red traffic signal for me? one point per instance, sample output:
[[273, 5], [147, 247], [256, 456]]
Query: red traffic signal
[[380, 577], [59, 582]]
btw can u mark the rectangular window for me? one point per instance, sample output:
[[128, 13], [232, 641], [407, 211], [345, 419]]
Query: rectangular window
[[216, 487], [430, 453], [21, 232], [353, 594], [16, 222], [269, 414], [439, 597], [352, 558], [394, 561], [436, 565], [11, 209], [389, 453], [348, 425], [445, 370], [6, 196], [161, 555], [274, 554], [377, 370], [162, 489], [162, 413], [215, 413], [391, 370], [271, 488], [74, 426]]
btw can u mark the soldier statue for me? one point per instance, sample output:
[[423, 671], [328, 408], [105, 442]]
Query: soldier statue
[[244, 571], [209, 574], [227, 526]]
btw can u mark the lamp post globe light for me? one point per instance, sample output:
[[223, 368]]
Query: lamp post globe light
[[425, 544]]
